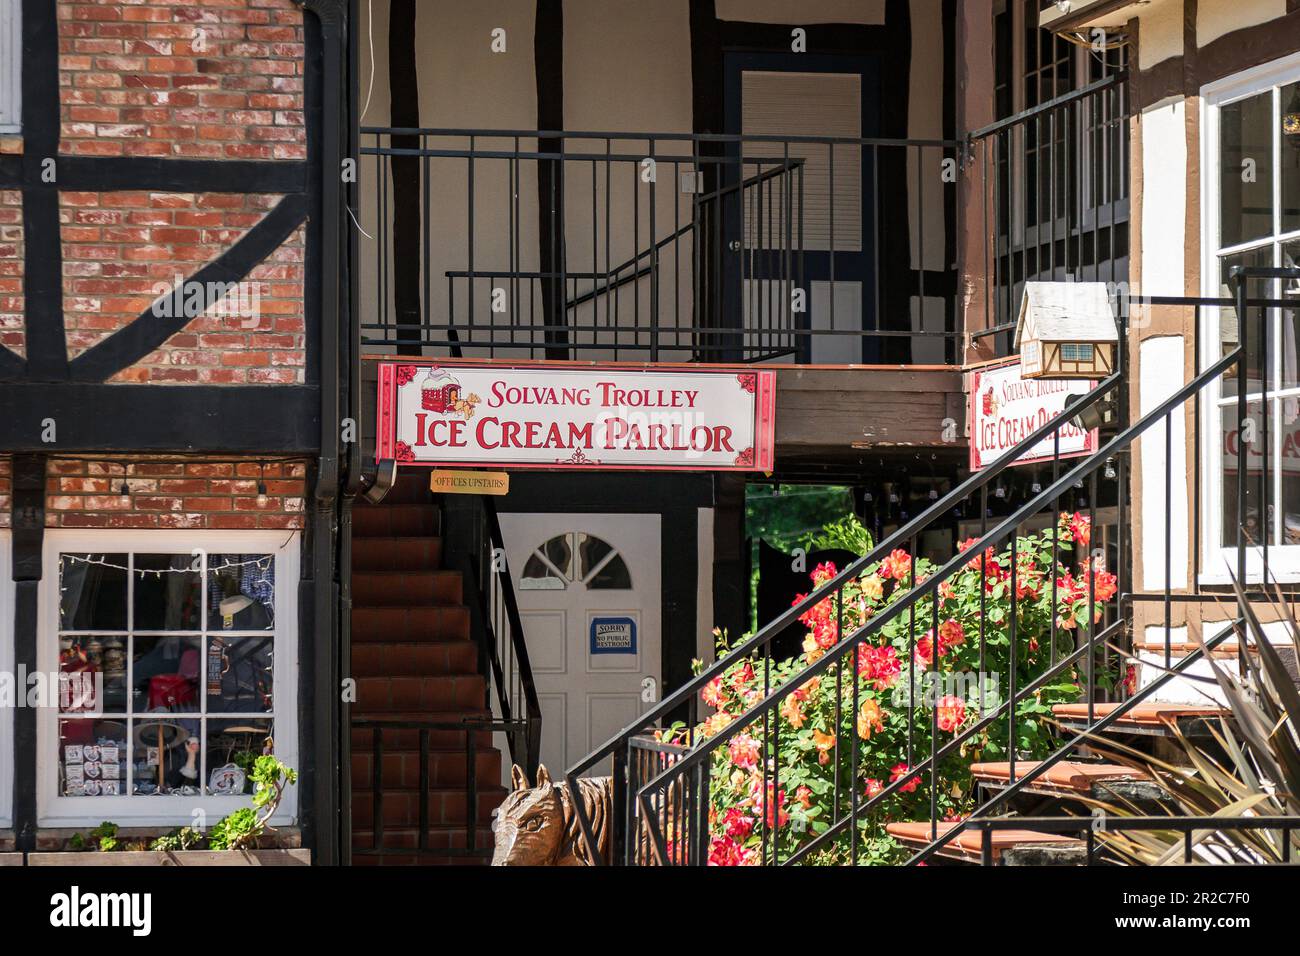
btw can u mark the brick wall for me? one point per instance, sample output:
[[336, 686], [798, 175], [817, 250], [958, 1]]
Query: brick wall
[[86, 493], [6, 492], [217, 79], [11, 270], [118, 247]]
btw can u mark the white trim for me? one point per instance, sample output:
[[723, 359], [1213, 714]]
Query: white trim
[[1218, 563], [7, 604], [59, 811], [11, 66]]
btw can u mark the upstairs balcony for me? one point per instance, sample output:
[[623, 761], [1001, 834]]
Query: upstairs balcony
[[660, 247]]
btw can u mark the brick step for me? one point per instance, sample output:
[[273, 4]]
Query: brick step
[[388, 624], [415, 659], [409, 740], [402, 838], [1009, 846], [447, 806], [1152, 718], [381, 695], [441, 837], [396, 554], [409, 589], [387, 519], [1065, 777], [447, 768]]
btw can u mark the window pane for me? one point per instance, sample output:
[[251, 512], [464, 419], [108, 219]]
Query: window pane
[[1253, 448], [165, 675], [241, 592], [560, 553], [92, 674], [1228, 327], [1246, 170], [239, 674], [232, 747], [1290, 171], [612, 577], [166, 594], [91, 758], [92, 592], [1290, 292], [165, 756], [538, 576], [591, 551]]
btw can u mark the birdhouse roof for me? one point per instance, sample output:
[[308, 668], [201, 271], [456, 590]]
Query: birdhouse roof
[[1066, 312]]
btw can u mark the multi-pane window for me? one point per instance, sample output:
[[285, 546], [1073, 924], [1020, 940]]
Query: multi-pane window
[[172, 671], [575, 558], [1253, 219]]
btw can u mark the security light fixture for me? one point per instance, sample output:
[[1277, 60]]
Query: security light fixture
[[1096, 415], [378, 479]]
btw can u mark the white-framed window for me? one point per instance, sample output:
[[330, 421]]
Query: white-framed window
[[11, 66], [181, 649], [7, 670], [1250, 204]]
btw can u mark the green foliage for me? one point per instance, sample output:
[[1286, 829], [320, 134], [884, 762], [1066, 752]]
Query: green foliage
[[845, 534], [184, 838], [241, 829], [235, 830]]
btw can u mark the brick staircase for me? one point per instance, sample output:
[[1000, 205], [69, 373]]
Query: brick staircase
[[414, 657]]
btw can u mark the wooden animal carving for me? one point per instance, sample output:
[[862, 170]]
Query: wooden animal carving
[[538, 826]]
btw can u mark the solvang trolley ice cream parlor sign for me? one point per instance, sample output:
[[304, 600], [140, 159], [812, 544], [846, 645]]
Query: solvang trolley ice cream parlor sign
[[590, 417]]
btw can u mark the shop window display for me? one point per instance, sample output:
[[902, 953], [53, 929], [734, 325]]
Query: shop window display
[[167, 672]]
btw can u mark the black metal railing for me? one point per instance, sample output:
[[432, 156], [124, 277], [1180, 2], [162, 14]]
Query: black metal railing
[[472, 530], [1054, 199], [561, 244], [1201, 837], [666, 819], [475, 736]]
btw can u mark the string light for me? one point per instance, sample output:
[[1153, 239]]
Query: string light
[[263, 564]]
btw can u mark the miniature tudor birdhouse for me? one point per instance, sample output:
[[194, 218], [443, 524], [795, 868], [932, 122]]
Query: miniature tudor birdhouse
[[1066, 330]]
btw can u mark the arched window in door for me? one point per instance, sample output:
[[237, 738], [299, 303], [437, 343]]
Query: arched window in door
[[575, 557]]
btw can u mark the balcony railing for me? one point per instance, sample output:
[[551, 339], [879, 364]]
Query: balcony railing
[[1055, 202], [659, 247]]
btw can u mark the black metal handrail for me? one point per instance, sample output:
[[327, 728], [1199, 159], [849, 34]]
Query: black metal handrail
[[472, 529], [714, 266], [686, 697], [675, 781], [652, 792], [1053, 197]]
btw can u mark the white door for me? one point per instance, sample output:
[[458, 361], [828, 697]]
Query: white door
[[589, 598]]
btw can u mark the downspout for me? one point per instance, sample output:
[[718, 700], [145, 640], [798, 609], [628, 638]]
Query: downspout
[[327, 658]]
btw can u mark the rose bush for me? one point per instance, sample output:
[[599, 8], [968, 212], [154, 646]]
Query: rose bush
[[941, 676]]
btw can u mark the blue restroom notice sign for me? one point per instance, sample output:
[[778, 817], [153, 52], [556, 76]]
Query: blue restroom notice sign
[[613, 635]]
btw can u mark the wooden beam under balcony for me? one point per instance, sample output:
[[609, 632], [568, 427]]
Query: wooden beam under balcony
[[829, 409]]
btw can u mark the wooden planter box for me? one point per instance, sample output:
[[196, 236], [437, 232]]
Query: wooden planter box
[[178, 858]]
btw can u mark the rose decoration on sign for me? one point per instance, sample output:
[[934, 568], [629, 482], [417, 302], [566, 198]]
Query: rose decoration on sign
[[748, 381], [404, 452], [405, 373], [746, 457]]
